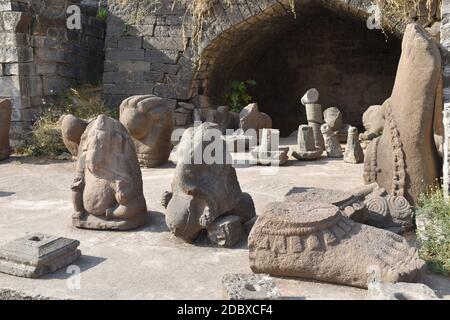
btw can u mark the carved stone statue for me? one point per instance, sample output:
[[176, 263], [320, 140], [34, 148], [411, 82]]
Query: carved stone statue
[[306, 148], [107, 191], [269, 152], [149, 120], [252, 118], [314, 115], [315, 240], [202, 194], [5, 124], [332, 145], [373, 121], [72, 129], [353, 151], [404, 160]]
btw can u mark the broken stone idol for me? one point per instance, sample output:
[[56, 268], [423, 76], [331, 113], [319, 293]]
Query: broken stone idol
[[72, 129], [5, 124], [107, 191], [317, 241], [206, 196], [332, 145], [373, 120], [306, 148], [314, 115], [353, 151], [404, 160], [149, 120], [269, 152]]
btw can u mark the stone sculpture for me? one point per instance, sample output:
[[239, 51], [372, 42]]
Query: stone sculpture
[[306, 148], [333, 117], [373, 121], [269, 152], [5, 124], [353, 151], [332, 145], [404, 160], [315, 240], [149, 120], [251, 118], [206, 196], [72, 128], [314, 115], [107, 191]]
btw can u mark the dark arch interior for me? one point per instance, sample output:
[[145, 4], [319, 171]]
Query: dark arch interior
[[351, 66]]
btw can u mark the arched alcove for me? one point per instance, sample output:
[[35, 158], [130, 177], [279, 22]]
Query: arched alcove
[[329, 48]]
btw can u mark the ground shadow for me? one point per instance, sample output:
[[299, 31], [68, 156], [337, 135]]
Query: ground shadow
[[85, 263], [6, 194], [156, 222]]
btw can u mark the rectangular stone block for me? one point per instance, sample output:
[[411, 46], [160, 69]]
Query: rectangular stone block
[[124, 55], [37, 254], [165, 43], [130, 43]]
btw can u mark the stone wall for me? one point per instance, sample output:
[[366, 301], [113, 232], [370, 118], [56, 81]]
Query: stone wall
[[445, 50], [40, 58]]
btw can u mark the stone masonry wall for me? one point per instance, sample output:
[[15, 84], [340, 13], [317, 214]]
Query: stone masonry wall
[[445, 50], [40, 58]]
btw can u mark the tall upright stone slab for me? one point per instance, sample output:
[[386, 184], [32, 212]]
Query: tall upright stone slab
[[5, 123]]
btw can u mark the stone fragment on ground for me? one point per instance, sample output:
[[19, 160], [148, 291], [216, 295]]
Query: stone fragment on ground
[[400, 291]]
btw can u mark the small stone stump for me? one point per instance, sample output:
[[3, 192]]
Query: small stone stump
[[306, 147], [37, 254]]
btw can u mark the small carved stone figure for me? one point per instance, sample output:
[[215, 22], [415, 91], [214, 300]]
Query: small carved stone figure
[[353, 151], [202, 194], [333, 117], [72, 128], [251, 118], [332, 145], [315, 240], [314, 115], [149, 120], [107, 191], [269, 152], [373, 121], [404, 160], [5, 124], [306, 148]]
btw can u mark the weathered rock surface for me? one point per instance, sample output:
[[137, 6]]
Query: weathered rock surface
[[201, 192], [315, 240], [306, 148], [251, 118], [353, 151], [332, 145], [400, 291], [249, 287], [404, 160], [37, 254], [373, 121], [333, 117], [107, 191], [150, 121], [5, 124], [72, 128]]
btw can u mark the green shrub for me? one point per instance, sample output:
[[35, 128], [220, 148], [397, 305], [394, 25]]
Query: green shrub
[[102, 14], [433, 222], [45, 139], [238, 98]]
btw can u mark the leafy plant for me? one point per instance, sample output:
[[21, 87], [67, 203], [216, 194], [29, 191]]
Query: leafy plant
[[238, 97], [102, 14], [433, 229]]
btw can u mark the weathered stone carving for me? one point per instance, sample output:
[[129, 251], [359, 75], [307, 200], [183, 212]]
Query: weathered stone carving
[[269, 152], [5, 124], [202, 193], [306, 148], [404, 160], [315, 240], [373, 121], [37, 254], [333, 117], [314, 115], [107, 191], [384, 210], [332, 145], [149, 120], [353, 151], [72, 129], [251, 118]]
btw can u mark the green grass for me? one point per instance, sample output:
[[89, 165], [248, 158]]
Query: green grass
[[433, 217]]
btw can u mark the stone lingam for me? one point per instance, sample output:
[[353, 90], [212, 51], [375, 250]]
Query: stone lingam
[[306, 148], [5, 124], [150, 122], [107, 191], [206, 196]]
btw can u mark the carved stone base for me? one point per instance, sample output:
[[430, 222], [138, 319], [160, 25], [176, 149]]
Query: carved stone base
[[87, 221]]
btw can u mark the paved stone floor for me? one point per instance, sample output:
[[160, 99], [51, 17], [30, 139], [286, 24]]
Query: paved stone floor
[[150, 263]]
